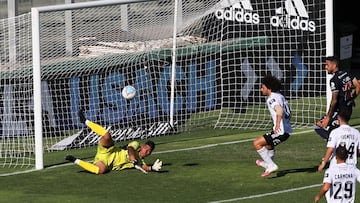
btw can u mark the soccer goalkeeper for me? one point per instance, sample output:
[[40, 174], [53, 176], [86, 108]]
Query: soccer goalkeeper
[[109, 157]]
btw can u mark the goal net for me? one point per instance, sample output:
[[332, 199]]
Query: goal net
[[223, 49]]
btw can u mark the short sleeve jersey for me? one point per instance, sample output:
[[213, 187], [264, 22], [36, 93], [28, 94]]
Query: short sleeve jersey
[[278, 99], [342, 178], [347, 136], [341, 82], [116, 158]]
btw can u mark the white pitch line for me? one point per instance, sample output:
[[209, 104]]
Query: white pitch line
[[160, 152], [266, 194], [218, 144], [272, 193]]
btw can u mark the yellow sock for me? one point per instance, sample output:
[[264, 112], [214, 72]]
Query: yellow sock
[[98, 129], [88, 166]]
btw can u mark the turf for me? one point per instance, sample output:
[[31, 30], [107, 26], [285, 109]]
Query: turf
[[211, 165], [196, 169]]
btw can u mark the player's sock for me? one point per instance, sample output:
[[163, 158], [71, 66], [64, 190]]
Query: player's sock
[[263, 152], [87, 166], [98, 129], [271, 153]]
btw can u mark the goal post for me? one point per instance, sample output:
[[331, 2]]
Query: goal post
[[195, 64], [35, 12]]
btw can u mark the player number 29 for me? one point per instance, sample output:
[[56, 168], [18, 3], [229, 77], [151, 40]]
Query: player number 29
[[347, 191]]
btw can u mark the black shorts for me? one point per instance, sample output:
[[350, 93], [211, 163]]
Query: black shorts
[[275, 139], [333, 122]]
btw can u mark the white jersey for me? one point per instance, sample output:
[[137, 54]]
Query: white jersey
[[278, 99], [342, 178], [347, 136]]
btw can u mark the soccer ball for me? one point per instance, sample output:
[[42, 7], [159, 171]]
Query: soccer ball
[[128, 92]]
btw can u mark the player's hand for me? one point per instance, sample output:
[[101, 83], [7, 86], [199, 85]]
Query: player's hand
[[321, 166], [157, 165], [317, 198], [318, 123], [325, 121]]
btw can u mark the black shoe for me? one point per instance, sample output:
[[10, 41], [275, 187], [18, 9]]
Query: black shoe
[[70, 158], [81, 116]]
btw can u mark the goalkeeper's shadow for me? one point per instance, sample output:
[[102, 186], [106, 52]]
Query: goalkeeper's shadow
[[162, 170]]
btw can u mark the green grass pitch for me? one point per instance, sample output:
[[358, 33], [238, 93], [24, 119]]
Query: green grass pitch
[[196, 168]]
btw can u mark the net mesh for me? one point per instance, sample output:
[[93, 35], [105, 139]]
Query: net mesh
[[223, 49]]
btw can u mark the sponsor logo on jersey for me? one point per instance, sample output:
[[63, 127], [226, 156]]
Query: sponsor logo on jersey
[[293, 15], [239, 11]]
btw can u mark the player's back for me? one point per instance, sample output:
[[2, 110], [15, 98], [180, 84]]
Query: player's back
[[343, 178], [342, 82], [349, 137]]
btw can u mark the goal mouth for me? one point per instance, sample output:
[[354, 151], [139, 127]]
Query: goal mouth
[[80, 56]]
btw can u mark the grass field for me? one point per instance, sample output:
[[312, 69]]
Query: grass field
[[197, 168], [205, 166]]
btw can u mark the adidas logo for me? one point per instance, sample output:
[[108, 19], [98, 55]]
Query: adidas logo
[[293, 15], [237, 10]]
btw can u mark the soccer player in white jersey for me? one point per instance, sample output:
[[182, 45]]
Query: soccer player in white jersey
[[344, 135], [339, 183], [280, 114]]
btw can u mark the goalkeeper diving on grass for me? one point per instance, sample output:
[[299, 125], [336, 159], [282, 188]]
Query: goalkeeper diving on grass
[[109, 157]]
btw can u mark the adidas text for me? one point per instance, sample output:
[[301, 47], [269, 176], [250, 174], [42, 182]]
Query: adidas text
[[238, 15], [293, 23]]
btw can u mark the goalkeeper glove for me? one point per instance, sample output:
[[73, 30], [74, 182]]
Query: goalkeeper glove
[[157, 165]]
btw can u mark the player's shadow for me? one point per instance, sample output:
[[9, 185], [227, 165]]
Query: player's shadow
[[296, 170], [191, 164]]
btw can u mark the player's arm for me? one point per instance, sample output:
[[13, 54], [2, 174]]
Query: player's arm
[[357, 86], [146, 167], [132, 147], [326, 158], [324, 188], [331, 110], [131, 153], [279, 113]]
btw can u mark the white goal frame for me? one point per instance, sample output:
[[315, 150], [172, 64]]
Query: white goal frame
[[35, 12]]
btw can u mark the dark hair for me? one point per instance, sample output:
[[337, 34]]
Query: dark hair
[[333, 59], [272, 83], [341, 152], [151, 144], [345, 115]]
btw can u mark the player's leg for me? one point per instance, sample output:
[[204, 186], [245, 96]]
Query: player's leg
[[261, 145], [324, 133], [97, 168], [271, 152], [106, 139]]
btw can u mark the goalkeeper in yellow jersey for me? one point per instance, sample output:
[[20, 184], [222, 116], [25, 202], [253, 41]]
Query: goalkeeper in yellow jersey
[[109, 157]]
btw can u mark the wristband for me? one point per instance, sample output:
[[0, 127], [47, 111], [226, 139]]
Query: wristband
[[135, 161]]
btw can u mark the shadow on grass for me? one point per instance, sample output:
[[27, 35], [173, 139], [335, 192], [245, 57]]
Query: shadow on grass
[[296, 170], [65, 162]]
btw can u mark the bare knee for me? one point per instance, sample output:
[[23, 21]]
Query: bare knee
[[258, 143], [102, 171], [102, 167]]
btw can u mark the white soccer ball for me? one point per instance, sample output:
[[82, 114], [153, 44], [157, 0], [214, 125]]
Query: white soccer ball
[[128, 92]]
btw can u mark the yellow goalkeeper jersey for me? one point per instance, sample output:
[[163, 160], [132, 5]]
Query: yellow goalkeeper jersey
[[116, 158]]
